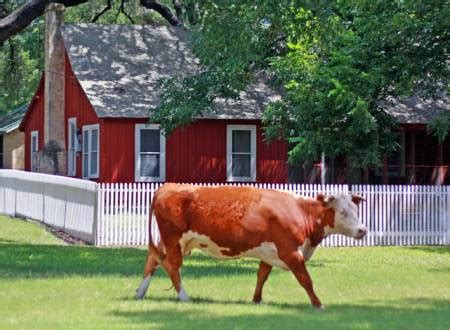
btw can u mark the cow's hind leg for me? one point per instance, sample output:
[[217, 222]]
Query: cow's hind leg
[[151, 265], [263, 274], [296, 264], [172, 264]]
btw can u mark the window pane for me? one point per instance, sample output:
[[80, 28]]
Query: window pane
[[150, 140], [240, 166], [85, 141], [149, 166], [85, 165], [94, 140], [72, 134], [93, 163], [241, 141], [70, 162], [34, 143]]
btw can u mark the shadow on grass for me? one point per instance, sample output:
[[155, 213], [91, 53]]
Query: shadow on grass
[[211, 301], [26, 260], [431, 249], [408, 314]]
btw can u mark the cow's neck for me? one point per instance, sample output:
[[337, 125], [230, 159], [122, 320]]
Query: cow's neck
[[320, 220]]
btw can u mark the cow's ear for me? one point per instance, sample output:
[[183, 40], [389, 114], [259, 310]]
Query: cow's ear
[[329, 199], [357, 199], [321, 198], [324, 199]]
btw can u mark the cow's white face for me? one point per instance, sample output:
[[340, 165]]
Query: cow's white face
[[346, 216]]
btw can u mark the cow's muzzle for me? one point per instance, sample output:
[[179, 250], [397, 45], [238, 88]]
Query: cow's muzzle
[[361, 233]]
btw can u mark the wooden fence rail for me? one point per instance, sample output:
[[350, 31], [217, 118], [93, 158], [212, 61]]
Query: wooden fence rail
[[394, 215]]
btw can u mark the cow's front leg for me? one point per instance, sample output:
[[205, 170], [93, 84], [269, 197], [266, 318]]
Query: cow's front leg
[[296, 264], [263, 274]]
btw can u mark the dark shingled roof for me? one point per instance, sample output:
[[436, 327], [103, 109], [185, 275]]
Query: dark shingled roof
[[118, 67], [416, 110], [12, 120]]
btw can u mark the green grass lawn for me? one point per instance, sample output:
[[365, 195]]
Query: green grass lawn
[[46, 284]]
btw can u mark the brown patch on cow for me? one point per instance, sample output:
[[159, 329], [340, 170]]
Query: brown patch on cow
[[316, 216], [204, 246]]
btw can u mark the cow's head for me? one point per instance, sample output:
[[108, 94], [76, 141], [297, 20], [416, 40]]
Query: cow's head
[[345, 209]]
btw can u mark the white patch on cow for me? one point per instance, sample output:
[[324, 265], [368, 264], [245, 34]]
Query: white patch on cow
[[141, 291], [346, 218], [266, 252], [306, 249], [182, 295], [192, 240]]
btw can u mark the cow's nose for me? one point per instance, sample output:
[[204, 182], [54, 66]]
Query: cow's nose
[[362, 232]]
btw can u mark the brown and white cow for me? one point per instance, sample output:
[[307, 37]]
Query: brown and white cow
[[279, 228]]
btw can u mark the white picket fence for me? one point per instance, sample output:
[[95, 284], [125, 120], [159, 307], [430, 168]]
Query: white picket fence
[[117, 214], [394, 215]]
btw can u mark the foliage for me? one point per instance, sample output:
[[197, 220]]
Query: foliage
[[21, 63], [83, 287], [439, 126], [334, 60]]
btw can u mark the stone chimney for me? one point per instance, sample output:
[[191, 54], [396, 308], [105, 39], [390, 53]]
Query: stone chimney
[[53, 159]]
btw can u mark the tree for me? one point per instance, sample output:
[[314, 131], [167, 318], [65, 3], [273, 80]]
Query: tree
[[334, 60]]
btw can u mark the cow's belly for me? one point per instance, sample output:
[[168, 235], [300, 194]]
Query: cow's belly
[[266, 252]]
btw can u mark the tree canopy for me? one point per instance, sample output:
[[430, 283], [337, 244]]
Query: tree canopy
[[335, 61]]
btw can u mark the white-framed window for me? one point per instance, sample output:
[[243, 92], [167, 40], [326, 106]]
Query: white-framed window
[[91, 151], [34, 150], [72, 147], [241, 153], [150, 153]]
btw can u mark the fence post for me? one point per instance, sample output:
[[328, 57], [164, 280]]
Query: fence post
[[97, 219], [447, 213]]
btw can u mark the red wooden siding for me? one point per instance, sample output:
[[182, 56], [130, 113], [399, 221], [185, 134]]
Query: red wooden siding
[[117, 149], [77, 105], [196, 153], [34, 121]]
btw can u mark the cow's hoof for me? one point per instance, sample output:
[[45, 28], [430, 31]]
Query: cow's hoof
[[257, 301], [319, 307], [182, 295], [142, 290]]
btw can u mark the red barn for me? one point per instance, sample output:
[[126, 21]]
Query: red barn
[[89, 117]]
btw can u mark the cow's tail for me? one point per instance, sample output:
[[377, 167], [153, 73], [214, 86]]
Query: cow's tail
[[153, 249]]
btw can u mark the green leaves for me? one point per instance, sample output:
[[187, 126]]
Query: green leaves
[[439, 126], [21, 63]]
